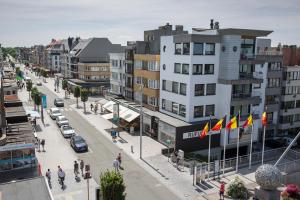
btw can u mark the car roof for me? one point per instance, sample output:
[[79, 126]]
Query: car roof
[[62, 116], [53, 109], [59, 99]]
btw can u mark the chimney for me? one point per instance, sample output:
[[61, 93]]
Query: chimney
[[212, 24], [216, 26]]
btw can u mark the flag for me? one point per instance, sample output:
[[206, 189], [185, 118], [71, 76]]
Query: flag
[[264, 119], [248, 122], [204, 131], [218, 126], [232, 124]]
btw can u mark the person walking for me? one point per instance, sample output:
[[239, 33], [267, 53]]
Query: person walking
[[39, 144], [222, 190], [61, 176], [43, 144], [92, 106], [116, 164], [76, 169], [96, 108], [48, 175], [81, 167], [119, 158]]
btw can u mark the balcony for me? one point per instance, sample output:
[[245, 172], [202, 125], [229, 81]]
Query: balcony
[[244, 98], [260, 58], [275, 74], [271, 107], [273, 91], [290, 111], [289, 125]]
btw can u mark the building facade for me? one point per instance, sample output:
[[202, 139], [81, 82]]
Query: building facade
[[117, 73]]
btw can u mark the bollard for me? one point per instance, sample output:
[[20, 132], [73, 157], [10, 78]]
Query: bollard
[[131, 148]]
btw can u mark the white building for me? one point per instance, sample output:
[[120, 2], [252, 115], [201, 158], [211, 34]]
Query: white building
[[212, 73], [117, 76]]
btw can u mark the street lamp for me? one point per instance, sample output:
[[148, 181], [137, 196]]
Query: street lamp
[[141, 120]]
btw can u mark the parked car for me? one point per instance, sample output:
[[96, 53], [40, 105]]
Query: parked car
[[78, 144], [59, 102], [54, 112], [39, 83], [62, 120], [67, 131]]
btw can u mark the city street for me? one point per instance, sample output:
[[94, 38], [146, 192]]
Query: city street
[[139, 183]]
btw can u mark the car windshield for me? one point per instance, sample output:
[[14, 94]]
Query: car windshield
[[55, 111], [59, 100], [63, 119], [66, 128], [79, 140]]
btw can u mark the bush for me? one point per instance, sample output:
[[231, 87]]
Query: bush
[[291, 192], [112, 186], [236, 189]]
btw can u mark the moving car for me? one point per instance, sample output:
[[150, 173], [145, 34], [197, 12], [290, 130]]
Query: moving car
[[61, 120], [67, 131], [54, 112], [39, 83], [78, 144], [59, 102]]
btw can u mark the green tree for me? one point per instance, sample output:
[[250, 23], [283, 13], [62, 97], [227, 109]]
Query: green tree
[[112, 186], [64, 85], [84, 97], [77, 94], [44, 74], [36, 97], [29, 87], [236, 189]]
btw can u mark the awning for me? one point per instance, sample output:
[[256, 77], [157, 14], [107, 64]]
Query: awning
[[109, 106], [108, 116], [33, 113], [129, 115]]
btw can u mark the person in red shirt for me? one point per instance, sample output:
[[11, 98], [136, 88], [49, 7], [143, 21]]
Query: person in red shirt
[[222, 190]]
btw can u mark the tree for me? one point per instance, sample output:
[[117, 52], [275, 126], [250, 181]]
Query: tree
[[29, 87], [65, 86], [36, 97], [84, 97], [236, 189], [44, 74], [112, 186], [77, 94]]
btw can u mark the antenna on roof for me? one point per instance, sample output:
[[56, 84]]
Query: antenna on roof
[[216, 26], [211, 23]]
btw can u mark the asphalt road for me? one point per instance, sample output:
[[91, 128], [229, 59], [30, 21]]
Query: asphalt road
[[140, 185]]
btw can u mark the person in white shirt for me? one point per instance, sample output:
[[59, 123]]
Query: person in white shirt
[[116, 165], [61, 176]]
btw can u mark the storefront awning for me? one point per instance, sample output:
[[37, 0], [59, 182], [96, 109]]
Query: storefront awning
[[109, 106], [33, 113], [108, 116], [129, 115]]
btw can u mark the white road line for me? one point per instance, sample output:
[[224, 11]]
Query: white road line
[[90, 150]]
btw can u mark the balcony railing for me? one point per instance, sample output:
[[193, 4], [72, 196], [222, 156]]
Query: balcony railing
[[241, 95]]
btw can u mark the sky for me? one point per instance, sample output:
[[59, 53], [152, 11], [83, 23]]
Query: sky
[[30, 22]]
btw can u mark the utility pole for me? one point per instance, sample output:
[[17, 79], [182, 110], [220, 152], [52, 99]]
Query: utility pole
[[141, 120]]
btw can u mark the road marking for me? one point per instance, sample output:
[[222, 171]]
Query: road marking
[[90, 150]]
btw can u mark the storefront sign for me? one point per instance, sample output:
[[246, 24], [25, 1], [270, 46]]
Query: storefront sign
[[189, 135], [44, 101], [16, 147]]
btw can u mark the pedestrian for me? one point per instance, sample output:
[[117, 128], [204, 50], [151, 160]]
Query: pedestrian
[[48, 175], [76, 169], [96, 108], [92, 106], [119, 158], [43, 144], [222, 190], [61, 176], [39, 144], [81, 167], [116, 165]]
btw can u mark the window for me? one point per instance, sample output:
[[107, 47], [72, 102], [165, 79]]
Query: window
[[273, 82], [209, 49], [182, 88], [186, 48], [152, 101], [138, 80], [198, 111], [197, 69], [175, 87], [199, 90], [209, 69], [211, 89], [185, 68], [153, 84], [137, 64], [177, 68], [182, 110], [163, 84], [198, 49], [175, 107], [209, 110], [153, 66], [178, 48], [163, 104]]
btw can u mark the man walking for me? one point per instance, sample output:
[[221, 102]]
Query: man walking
[[116, 165], [61, 177], [81, 167], [222, 190], [48, 175], [76, 169], [92, 107], [119, 158], [43, 144]]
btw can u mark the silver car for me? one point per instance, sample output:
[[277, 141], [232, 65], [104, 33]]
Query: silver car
[[54, 113], [62, 120], [67, 131]]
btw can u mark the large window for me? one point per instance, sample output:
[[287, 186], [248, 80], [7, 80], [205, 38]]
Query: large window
[[177, 68], [198, 49], [175, 87], [175, 107], [182, 110], [154, 84], [153, 66], [198, 111], [186, 48], [273, 82], [211, 89], [199, 90], [182, 88], [209, 69], [163, 84], [178, 48], [197, 69], [209, 110], [209, 49], [185, 68]]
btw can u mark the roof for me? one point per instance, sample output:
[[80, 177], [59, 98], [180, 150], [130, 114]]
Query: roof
[[33, 189], [20, 133], [238, 31], [14, 111]]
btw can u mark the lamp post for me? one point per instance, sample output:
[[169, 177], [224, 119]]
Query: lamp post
[[141, 120]]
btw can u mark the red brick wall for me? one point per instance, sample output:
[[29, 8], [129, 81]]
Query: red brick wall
[[291, 56]]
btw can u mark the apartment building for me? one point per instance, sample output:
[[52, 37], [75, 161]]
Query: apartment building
[[117, 73], [129, 61], [53, 55], [147, 65], [90, 64], [211, 73], [38, 55]]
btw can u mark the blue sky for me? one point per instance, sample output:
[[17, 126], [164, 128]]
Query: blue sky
[[29, 22]]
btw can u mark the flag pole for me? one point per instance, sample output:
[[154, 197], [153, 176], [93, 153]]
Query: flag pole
[[250, 158], [224, 151], [208, 168], [238, 143], [263, 147]]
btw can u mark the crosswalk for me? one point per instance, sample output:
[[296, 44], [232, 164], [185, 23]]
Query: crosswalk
[[66, 109]]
